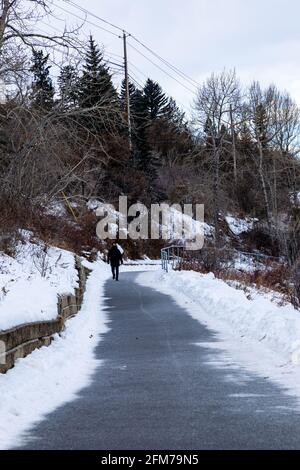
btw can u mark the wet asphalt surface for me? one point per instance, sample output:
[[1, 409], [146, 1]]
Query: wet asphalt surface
[[162, 387]]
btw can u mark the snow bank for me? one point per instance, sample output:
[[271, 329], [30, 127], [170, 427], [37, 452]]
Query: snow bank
[[260, 333], [31, 282], [256, 319], [50, 377]]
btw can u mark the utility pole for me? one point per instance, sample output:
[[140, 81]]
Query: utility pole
[[127, 90]]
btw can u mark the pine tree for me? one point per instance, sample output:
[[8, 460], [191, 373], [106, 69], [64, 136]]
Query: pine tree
[[173, 113], [138, 102], [42, 95], [132, 91], [156, 101], [139, 121], [96, 84], [261, 123], [68, 86]]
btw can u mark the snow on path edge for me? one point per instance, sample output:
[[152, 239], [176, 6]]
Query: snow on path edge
[[52, 376]]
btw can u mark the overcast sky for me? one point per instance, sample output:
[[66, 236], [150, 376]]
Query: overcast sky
[[260, 39]]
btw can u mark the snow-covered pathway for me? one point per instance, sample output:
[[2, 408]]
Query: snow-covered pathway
[[167, 382]]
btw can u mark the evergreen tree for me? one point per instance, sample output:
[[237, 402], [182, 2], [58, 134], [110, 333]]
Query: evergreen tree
[[156, 102], [68, 86], [245, 141], [151, 111], [42, 95], [132, 91], [139, 121], [261, 123], [173, 113], [96, 84], [138, 104]]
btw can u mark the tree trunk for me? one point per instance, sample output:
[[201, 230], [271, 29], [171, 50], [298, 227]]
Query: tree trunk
[[3, 20], [233, 146], [216, 161], [264, 187]]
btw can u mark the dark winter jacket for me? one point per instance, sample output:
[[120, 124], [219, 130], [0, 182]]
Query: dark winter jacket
[[114, 256]]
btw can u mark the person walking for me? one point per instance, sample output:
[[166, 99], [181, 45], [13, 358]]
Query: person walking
[[115, 258]]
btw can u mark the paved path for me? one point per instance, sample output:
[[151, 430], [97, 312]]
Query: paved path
[[160, 389]]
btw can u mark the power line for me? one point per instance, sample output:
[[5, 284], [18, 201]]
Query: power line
[[107, 60], [114, 63], [160, 68], [139, 70], [84, 10], [175, 69], [190, 81], [117, 55], [73, 56], [110, 62], [85, 20], [131, 76]]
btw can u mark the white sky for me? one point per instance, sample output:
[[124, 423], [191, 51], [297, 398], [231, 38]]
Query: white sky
[[260, 39]]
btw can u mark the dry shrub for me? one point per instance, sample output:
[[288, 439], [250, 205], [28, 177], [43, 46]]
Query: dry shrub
[[259, 239], [207, 260], [295, 291], [80, 236], [192, 265], [74, 235], [275, 278], [137, 249], [12, 217]]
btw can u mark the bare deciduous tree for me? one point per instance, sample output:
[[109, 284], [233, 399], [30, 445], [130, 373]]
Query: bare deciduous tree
[[217, 100], [274, 123], [19, 22]]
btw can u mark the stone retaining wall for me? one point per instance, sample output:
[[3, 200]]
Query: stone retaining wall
[[20, 341]]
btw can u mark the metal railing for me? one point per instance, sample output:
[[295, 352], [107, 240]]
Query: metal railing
[[172, 256]]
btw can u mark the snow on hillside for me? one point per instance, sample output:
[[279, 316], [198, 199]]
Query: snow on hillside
[[295, 198], [94, 204], [31, 281], [260, 334], [56, 208], [246, 263], [238, 226], [190, 226]]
